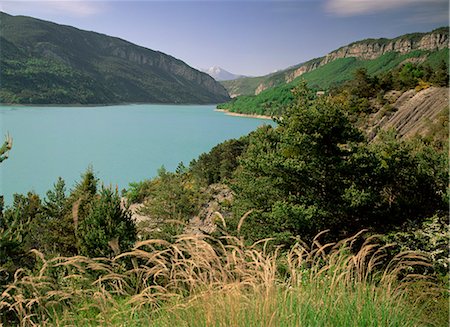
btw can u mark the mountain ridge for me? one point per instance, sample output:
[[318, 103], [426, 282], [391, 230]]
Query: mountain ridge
[[106, 68], [436, 39]]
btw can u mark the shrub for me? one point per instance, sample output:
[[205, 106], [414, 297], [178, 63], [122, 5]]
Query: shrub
[[107, 229]]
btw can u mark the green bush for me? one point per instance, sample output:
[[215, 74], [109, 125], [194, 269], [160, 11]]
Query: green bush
[[137, 192], [218, 164], [107, 229]]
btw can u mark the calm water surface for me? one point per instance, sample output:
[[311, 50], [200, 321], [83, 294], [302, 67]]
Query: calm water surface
[[123, 143]]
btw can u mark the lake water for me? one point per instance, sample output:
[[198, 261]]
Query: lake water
[[123, 143]]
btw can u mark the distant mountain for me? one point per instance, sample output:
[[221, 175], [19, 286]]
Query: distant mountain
[[220, 74], [347, 58], [44, 62]]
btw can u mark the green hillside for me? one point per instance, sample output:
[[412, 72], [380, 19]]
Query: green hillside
[[271, 101], [43, 62], [250, 85], [246, 85], [341, 70]]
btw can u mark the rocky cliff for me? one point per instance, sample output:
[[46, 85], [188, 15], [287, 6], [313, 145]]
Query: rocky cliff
[[373, 48], [411, 112]]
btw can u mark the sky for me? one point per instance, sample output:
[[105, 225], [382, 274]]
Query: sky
[[250, 37]]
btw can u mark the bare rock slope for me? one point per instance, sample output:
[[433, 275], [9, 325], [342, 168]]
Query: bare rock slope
[[412, 112]]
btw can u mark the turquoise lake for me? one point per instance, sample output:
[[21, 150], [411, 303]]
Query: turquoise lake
[[123, 143]]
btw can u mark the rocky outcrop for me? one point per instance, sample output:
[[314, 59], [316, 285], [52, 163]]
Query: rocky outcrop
[[215, 210], [212, 211], [263, 86], [372, 49], [309, 66], [411, 112]]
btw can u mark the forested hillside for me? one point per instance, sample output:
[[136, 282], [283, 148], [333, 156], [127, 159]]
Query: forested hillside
[[46, 63], [268, 94], [368, 49], [390, 73]]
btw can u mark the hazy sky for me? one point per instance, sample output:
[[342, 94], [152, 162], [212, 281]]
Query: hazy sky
[[245, 37]]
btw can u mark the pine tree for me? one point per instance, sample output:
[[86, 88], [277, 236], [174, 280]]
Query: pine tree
[[440, 76], [58, 231], [107, 229]]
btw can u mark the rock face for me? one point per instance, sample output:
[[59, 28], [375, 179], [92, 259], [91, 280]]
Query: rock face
[[412, 112], [212, 211], [367, 50], [371, 49], [88, 67], [215, 210], [155, 59], [263, 86]]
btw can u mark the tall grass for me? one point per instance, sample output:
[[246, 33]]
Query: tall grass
[[201, 281]]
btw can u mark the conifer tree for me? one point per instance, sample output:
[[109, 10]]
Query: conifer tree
[[108, 228]]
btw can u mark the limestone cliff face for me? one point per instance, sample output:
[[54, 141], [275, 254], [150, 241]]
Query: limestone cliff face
[[303, 69], [371, 49], [263, 86]]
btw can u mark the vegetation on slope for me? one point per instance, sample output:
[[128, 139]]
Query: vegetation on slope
[[273, 100], [46, 63], [342, 70], [249, 85], [317, 171], [314, 171], [246, 85], [356, 50]]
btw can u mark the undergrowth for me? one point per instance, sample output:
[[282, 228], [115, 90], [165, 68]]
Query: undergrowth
[[201, 281]]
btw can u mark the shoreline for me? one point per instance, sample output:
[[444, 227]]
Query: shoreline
[[80, 105], [229, 113]]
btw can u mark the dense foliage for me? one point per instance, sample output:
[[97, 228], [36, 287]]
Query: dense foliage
[[87, 221], [218, 165], [316, 171], [108, 228]]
